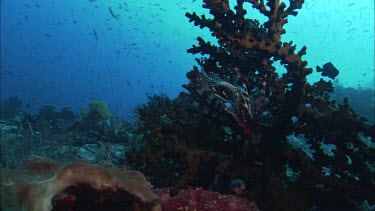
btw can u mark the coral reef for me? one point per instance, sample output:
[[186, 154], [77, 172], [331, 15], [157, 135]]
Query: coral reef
[[241, 124], [61, 135], [236, 86], [50, 113], [44, 184], [199, 199], [99, 123]]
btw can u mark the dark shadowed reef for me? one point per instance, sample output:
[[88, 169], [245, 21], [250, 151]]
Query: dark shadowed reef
[[295, 147]]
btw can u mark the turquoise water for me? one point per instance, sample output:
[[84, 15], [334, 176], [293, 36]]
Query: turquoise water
[[49, 53]]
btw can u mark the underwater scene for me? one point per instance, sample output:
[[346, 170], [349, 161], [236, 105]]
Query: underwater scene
[[187, 105]]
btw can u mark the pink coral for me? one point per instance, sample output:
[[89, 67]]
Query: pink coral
[[202, 200]]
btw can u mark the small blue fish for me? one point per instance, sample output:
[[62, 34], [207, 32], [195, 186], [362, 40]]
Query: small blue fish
[[95, 34], [113, 14]]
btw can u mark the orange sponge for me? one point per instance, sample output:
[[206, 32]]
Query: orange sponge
[[44, 184]]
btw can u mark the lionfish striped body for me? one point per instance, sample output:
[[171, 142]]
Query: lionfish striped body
[[219, 97]]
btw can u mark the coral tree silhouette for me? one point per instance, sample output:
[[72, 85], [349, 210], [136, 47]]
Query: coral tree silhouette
[[268, 117], [238, 78]]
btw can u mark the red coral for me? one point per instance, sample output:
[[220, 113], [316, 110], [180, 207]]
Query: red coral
[[199, 199]]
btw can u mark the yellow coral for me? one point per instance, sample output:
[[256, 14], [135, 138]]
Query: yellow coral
[[100, 108]]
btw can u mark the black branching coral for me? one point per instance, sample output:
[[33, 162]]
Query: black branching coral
[[237, 82]]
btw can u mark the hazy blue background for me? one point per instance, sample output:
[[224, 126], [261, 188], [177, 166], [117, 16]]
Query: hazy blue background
[[49, 54]]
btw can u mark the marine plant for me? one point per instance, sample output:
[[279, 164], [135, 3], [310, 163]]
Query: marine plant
[[100, 109], [97, 120]]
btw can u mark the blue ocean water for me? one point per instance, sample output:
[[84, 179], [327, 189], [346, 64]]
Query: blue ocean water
[[69, 53]]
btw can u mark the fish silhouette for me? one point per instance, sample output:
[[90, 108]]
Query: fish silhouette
[[328, 70]]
